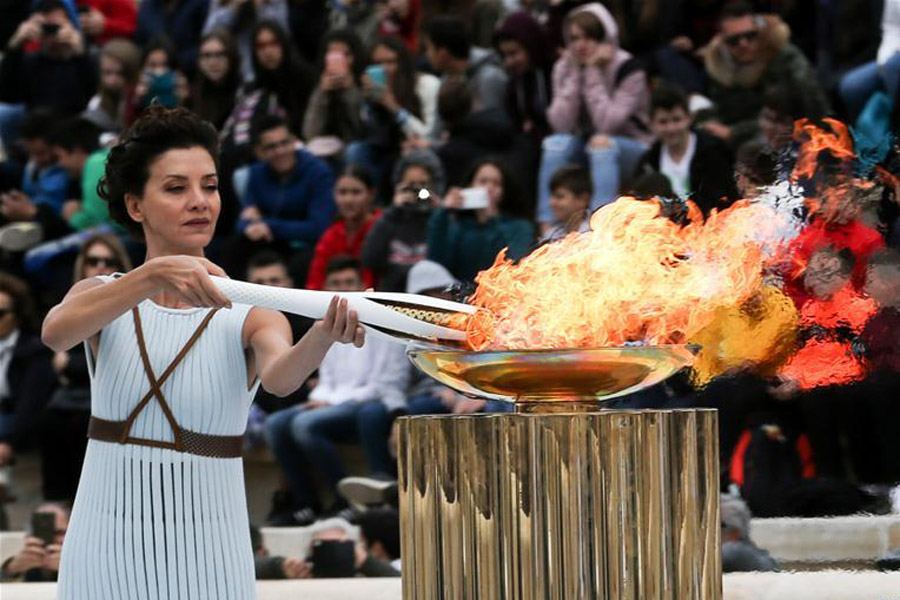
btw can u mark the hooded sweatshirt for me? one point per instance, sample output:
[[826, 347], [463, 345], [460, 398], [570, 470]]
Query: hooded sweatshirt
[[611, 100], [528, 95]]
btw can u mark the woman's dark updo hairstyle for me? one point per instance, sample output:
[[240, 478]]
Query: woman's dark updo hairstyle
[[157, 131]]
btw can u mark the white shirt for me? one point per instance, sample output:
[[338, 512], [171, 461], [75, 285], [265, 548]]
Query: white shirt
[[679, 173], [7, 347]]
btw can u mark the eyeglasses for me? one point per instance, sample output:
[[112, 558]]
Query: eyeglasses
[[4, 312], [277, 145], [96, 261], [748, 36], [212, 54]]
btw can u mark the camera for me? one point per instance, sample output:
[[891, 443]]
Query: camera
[[49, 29]]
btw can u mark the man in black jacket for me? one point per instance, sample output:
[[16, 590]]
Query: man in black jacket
[[696, 164]]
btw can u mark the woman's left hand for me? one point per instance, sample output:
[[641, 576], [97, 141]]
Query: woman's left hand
[[382, 94], [341, 324]]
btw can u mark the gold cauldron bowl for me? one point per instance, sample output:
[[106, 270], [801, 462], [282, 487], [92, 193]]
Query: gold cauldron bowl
[[538, 377]]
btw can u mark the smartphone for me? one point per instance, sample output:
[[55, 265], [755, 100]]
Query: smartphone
[[49, 29], [474, 199], [43, 526], [336, 63], [378, 75], [333, 558]]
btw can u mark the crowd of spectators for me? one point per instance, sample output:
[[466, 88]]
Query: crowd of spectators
[[400, 145]]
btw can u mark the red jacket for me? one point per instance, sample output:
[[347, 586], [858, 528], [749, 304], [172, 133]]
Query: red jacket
[[121, 18], [333, 243]]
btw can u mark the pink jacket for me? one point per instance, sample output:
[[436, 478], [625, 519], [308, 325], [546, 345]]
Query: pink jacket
[[612, 109]]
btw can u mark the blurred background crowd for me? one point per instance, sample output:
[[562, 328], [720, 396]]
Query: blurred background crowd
[[400, 145]]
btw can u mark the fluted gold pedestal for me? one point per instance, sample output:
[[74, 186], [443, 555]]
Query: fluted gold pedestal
[[622, 505]]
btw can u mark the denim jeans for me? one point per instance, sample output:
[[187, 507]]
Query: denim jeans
[[377, 161], [304, 439], [609, 167], [858, 85], [11, 117]]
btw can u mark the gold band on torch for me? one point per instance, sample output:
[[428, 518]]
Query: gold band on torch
[[613, 504]]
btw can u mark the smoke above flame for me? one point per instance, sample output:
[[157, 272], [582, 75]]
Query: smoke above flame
[[723, 283]]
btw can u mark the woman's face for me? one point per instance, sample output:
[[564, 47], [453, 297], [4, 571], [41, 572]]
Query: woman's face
[[489, 177], [387, 58], [8, 321], [580, 45], [353, 198], [343, 48], [181, 204], [99, 259], [157, 62], [213, 60], [112, 75], [515, 57], [269, 52]]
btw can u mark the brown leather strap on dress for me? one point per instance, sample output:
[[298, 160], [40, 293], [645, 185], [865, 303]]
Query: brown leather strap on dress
[[184, 439], [201, 444]]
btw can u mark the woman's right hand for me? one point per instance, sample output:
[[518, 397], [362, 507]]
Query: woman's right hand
[[187, 277]]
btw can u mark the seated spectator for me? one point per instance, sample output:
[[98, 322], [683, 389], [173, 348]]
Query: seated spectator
[[599, 108], [380, 535], [288, 202], [570, 199], [240, 19], [64, 423], [120, 63], [528, 61], [450, 53], [103, 20], [275, 567], [75, 142], [470, 134], [160, 80], [26, 375], [468, 241], [398, 240], [335, 105], [354, 194], [44, 189], [282, 83], [400, 107], [739, 553], [350, 381], [881, 74], [38, 560], [181, 20], [781, 108], [218, 78], [750, 53], [697, 165], [59, 75]]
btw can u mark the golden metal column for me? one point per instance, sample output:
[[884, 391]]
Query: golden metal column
[[612, 504]]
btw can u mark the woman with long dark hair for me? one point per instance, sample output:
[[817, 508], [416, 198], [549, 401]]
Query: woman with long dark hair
[[400, 104], [218, 78], [160, 510]]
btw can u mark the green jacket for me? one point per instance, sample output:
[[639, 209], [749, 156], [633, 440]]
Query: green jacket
[[94, 210]]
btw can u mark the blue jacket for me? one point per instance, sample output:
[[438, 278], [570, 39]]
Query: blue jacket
[[297, 208], [183, 25], [48, 186]]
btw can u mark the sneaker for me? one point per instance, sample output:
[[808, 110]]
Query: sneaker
[[362, 492], [18, 237]]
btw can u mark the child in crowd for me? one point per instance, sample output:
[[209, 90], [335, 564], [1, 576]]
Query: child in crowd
[[570, 199]]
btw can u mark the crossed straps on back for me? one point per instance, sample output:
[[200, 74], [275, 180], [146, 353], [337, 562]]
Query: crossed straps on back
[[156, 387]]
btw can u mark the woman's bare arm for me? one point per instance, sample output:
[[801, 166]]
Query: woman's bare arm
[[91, 305], [283, 368]]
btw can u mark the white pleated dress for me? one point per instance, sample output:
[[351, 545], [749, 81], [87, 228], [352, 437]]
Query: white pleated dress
[[154, 523]]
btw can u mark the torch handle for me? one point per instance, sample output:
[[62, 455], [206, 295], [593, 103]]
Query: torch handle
[[375, 316]]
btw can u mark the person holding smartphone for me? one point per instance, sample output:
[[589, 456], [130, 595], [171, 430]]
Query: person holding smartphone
[[38, 560], [58, 75], [473, 225]]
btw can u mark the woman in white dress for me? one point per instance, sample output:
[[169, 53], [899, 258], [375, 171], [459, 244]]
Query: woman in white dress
[[161, 509]]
